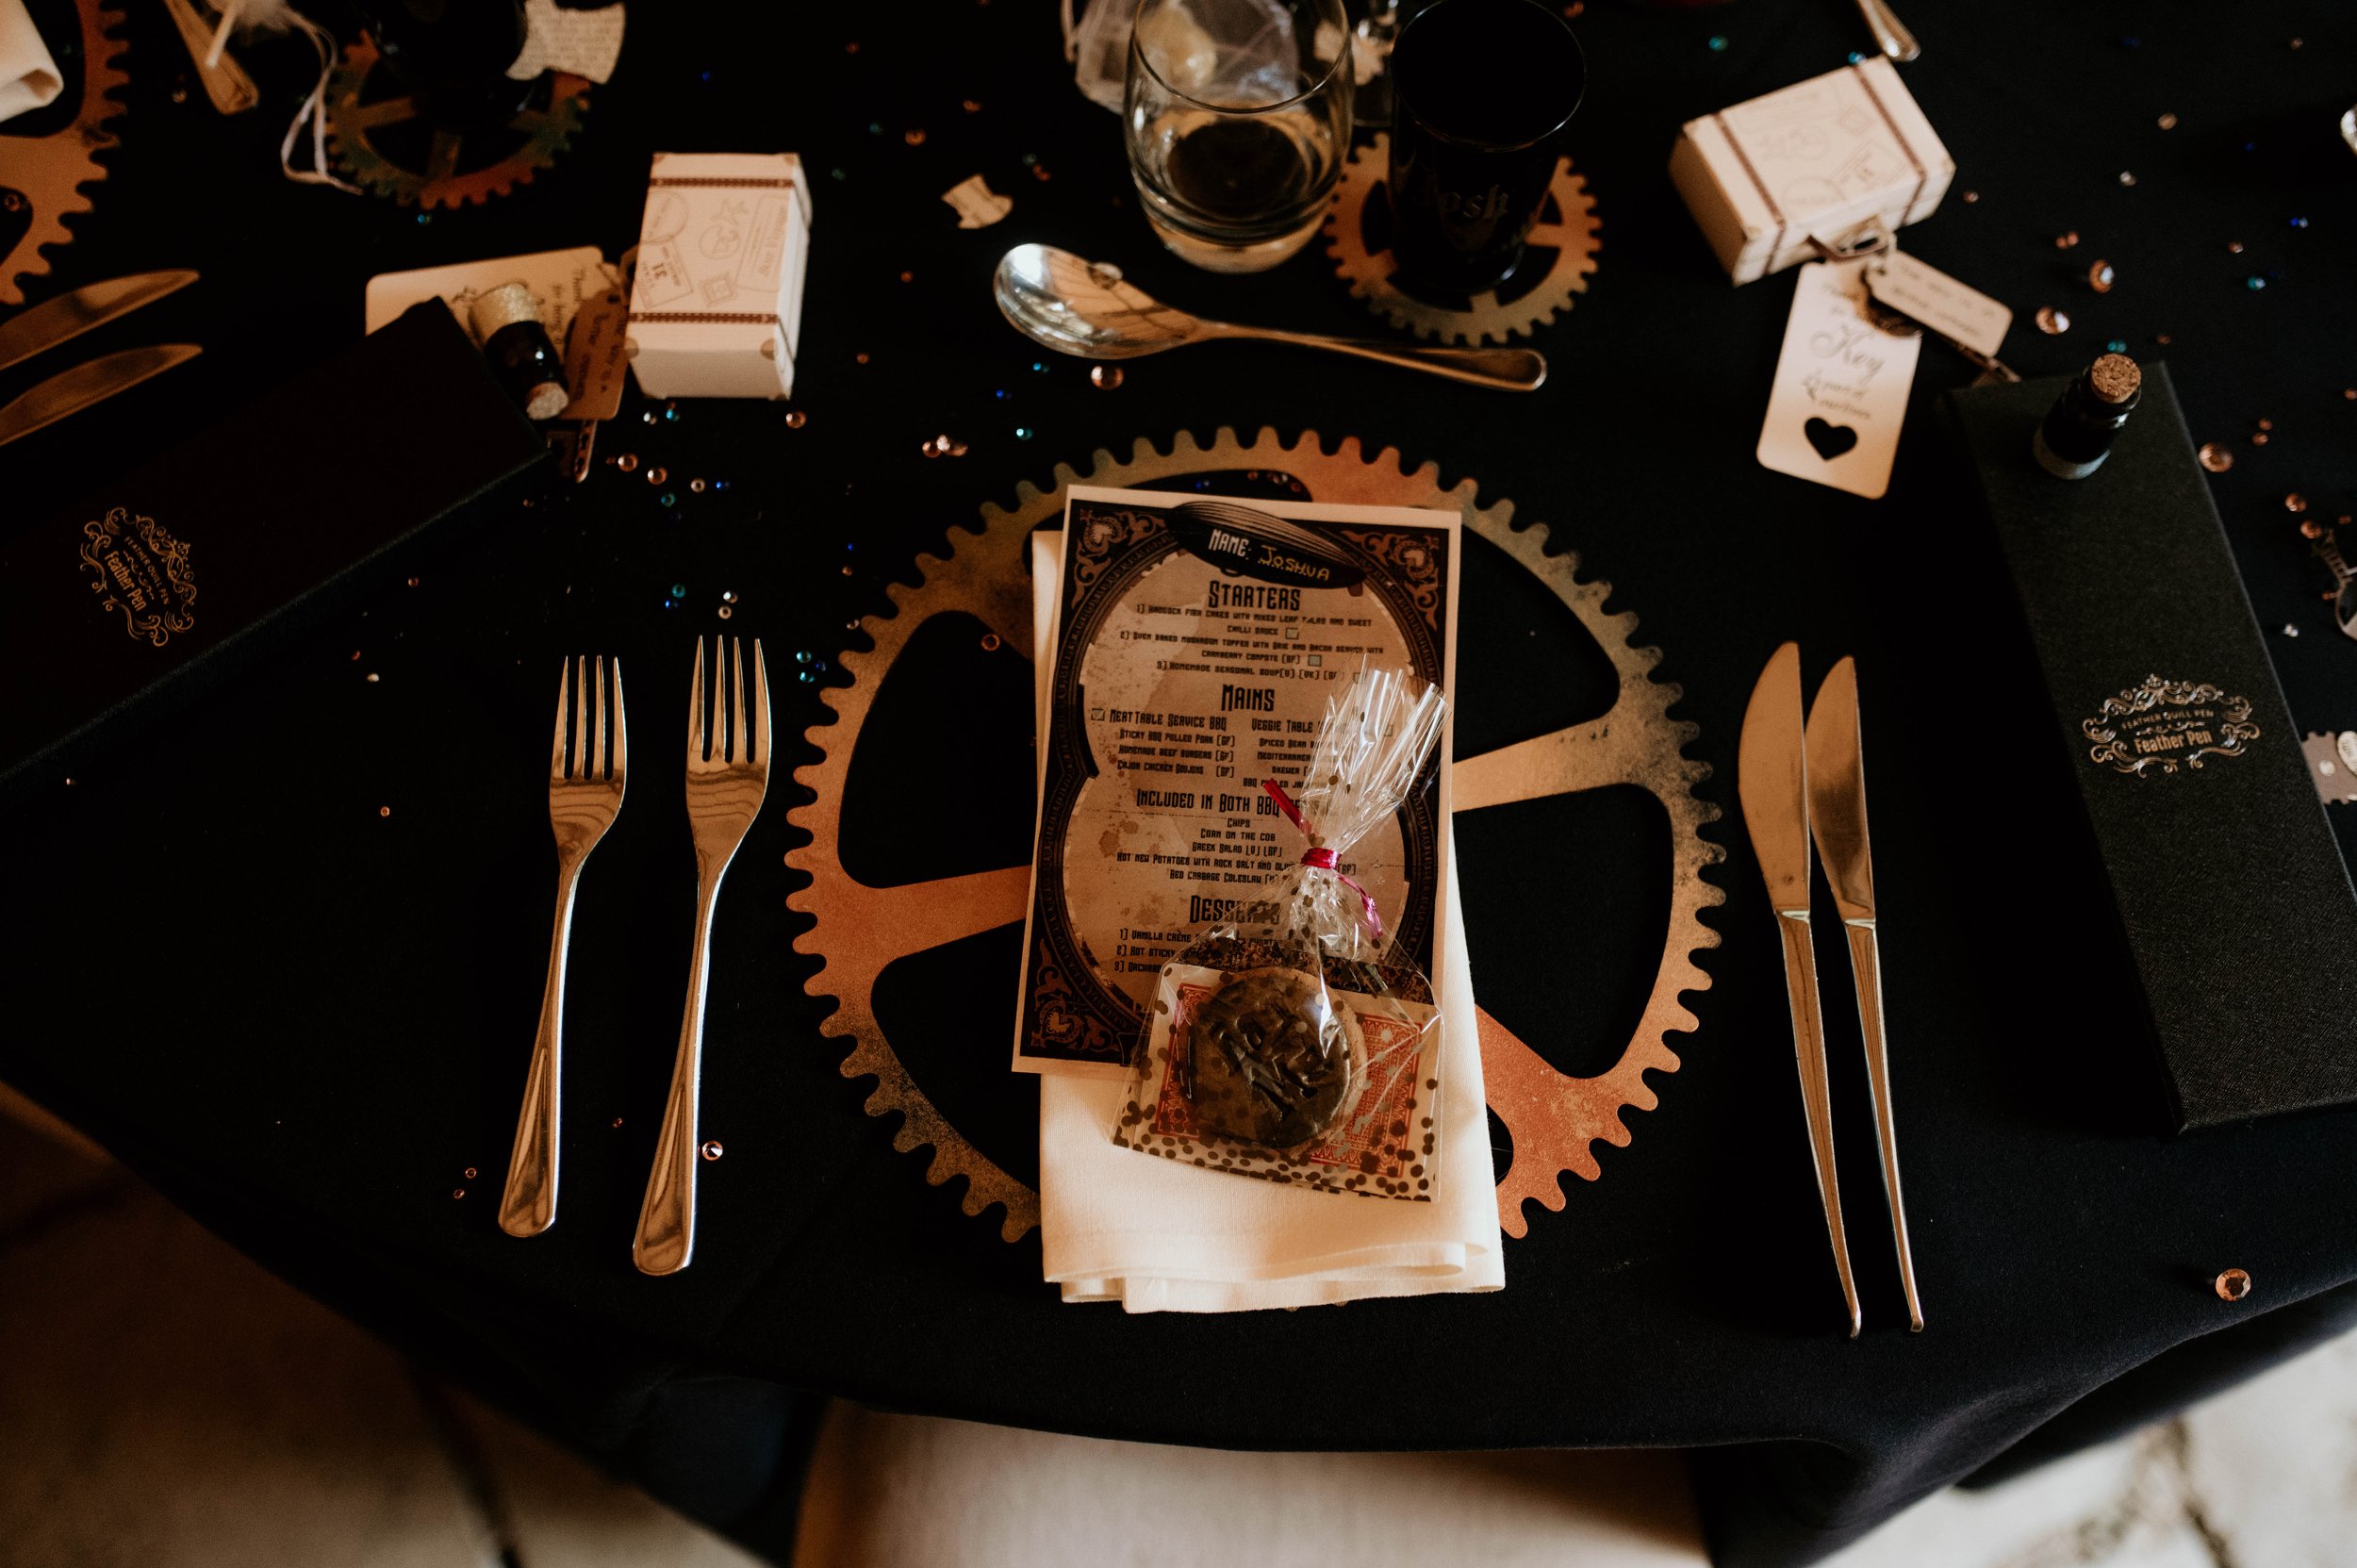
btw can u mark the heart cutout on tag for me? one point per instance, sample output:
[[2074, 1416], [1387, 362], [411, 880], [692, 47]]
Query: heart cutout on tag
[[1831, 441]]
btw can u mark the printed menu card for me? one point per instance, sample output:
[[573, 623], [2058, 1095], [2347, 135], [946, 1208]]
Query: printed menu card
[[1196, 641]]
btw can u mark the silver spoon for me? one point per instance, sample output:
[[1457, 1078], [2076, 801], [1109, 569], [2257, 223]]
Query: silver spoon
[[1083, 307]]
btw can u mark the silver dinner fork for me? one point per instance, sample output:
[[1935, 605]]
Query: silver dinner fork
[[585, 796], [724, 795]]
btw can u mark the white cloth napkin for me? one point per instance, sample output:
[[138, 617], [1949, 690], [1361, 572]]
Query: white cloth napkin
[[1160, 1236], [28, 77]]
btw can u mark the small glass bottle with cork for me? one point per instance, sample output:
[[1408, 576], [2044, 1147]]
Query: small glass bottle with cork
[[2076, 435]]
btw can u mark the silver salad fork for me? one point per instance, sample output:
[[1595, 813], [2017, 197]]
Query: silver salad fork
[[724, 794], [585, 796]]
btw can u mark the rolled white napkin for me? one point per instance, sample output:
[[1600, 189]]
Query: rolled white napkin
[[1160, 1236], [28, 76]]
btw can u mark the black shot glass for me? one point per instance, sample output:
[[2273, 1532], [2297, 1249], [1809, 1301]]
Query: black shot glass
[[1485, 90]]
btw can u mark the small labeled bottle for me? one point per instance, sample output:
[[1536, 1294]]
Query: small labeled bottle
[[507, 323], [2076, 435]]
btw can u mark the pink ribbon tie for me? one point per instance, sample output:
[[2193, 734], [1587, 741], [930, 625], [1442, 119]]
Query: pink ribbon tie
[[1321, 859]]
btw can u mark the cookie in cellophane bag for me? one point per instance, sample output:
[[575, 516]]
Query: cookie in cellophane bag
[[1292, 1043]]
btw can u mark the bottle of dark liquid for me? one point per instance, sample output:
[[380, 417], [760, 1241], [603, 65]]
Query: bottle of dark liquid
[[507, 323], [2076, 434]]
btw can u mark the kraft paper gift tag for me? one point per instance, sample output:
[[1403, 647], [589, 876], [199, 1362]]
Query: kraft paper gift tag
[[1840, 392]]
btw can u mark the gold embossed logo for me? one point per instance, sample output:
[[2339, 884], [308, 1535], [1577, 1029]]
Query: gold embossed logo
[[2163, 724], [142, 573]]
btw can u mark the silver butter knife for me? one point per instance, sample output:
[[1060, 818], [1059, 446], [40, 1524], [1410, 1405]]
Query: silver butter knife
[[71, 314], [1773, 781], [94, 381], [1836, 799]]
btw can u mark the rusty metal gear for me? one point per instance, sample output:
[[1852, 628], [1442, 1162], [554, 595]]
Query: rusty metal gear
[[383, 145], [860, 928], [41, 176], [1562, 243]]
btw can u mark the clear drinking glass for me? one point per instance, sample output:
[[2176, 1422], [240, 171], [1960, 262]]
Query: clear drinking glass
[[1238, 119]]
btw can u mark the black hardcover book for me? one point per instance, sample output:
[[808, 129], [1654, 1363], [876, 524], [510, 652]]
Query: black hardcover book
[[163, 580], [2230, 886]]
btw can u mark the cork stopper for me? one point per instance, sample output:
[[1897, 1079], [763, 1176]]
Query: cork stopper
[[2114, 379], [502, 307]]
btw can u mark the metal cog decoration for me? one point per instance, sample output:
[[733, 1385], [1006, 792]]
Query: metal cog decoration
[[41, 176], [861, 930], [383, 145], [1563, 250]]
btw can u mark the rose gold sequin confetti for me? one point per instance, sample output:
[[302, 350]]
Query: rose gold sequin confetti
[[413, 582], [2162, 338], [2051, 322], [2295, 503], [696, 487], [914, 137], [384, 811], [2231, 1285], [2064, 241], [371, 677], [457, 1193], [1971, 196], [656, 476], [972, 106], [2101, 277], [2233, 247], [2311, 529], [850, 48], [712, 1149], [2127, 178], [2299, 44], [470, 1173], [1039, 171], [2215, 457], [796, 418], [1105, 377], [2349, 392], [355, 655], [2259, 438], [2169, 122], [2266, 424], [989, 643], [627, 462], [618, 1121]]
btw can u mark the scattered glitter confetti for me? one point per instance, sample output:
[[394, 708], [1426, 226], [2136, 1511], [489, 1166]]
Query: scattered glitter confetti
[[860, 359], [372, 677], [726, 597], [2266, 424], [457, 1193], [2295, 503], [1718, 43], [646, 418], [618, 1121], [2350, 393], [2051, 322], [972, 106], [1039, 367], [2118, 345], [1041, 171], [989, 643], [726, 611], [2299, 44], [2259, 439], [802, 657], [2127, 178], [2233, 247], [656, 476], [2254, 281], [796, 418], [694, 487], [2163, 338], [908, 277], [1029, 159], [2215, 457], [1105, 377], [384, 811], [2065, 241], [470, 1173], [2234, 1284], [2290, 629], [2311, 529], [914, 136], [2169, 122], [413, 582], [712, 1149], [679, 591], [2101, 277], [668, 498], [836, 174], [1971, 196], [1024, 433], [627, 462]]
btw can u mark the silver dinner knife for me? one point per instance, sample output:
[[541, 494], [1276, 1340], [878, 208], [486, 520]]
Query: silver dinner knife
[[71, 314], [1773, 781], [1837, 801], [94, 381]]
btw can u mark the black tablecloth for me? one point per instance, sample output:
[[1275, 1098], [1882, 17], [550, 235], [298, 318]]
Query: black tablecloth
[[307, 1018]]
